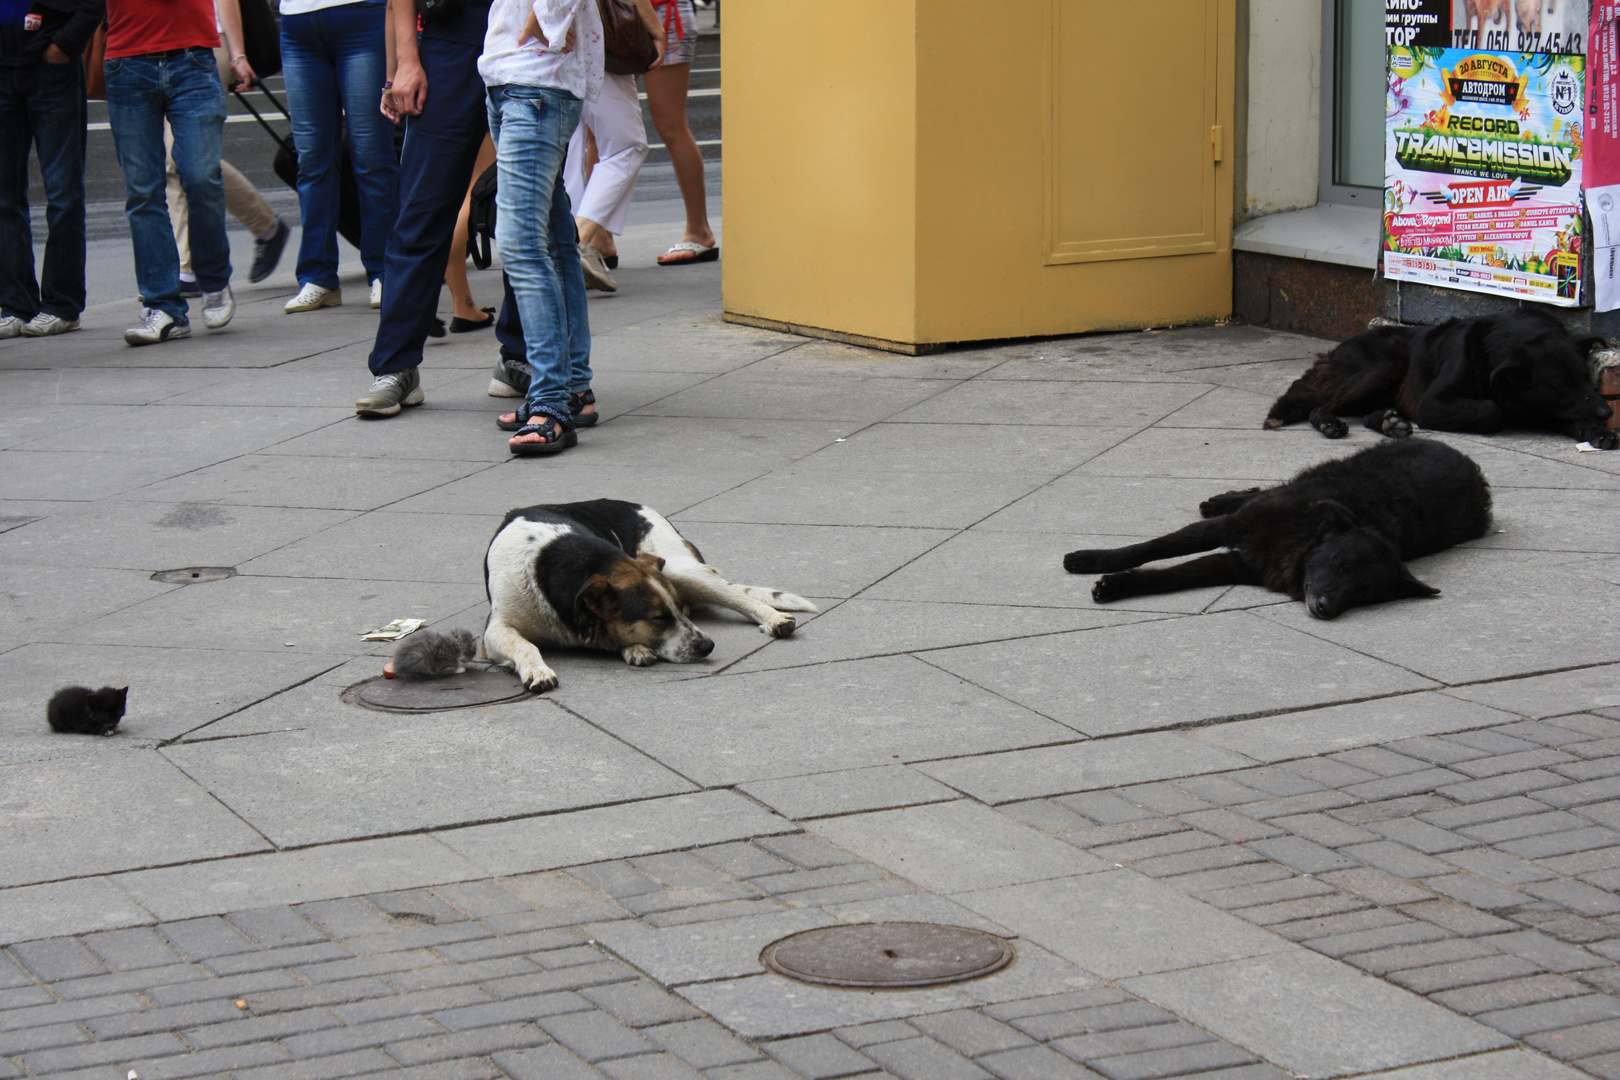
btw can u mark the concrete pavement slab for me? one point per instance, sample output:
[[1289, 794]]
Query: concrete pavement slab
[[832, 358], [1519, 1064], [995, 448], [684, 342], [1214, 454], [1552, 519], [374, 773], [1498, 614], [1082, 766], [955, 847], [765, 396], [735, 728], [1117, 924], [1127, 508], [704, 951], [172, 690], [1173, 671], [443, 548], [160, 536], [861, 628], [1509, 467], [1100, 404], [89, 474], [1314, 1016], [1223, 407], [1341, 727], [80, 906], [179, 429], [307, 615], [720, 445], [811, 560], [613, 832], [1002, 568], [423, 433], [45, 384], [41, 602], [314, 482], [847, 792], [162, 816], [296, 877], [1269, 379], [1541, 696], [811, 495], [917, 907], [493, 492]]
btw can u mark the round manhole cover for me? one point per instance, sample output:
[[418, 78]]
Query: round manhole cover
[[897, 954], [192, 575], [465, 691]]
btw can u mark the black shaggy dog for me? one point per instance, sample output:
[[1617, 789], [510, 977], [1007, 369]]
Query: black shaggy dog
[[1334, 536], [1481, 374]]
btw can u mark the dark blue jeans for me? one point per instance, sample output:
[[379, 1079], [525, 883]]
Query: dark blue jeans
[[184, 88], [43, 106], [435, 168], [334, 66]]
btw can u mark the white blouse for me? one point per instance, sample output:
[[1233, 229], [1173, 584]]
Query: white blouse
[[578, 71]]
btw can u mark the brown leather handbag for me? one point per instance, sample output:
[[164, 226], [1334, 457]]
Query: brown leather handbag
[[630, 48], [95, 60]]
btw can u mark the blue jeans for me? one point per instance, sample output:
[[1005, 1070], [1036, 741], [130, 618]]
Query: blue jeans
[[334, 66], [184, 87], [42, 105], [534, 227]]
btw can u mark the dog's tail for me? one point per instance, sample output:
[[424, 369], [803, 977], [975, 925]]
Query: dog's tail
[[776, 598]]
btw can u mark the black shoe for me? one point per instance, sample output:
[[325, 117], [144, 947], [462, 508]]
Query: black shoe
[[437, 329], [267, 252], [458, 325]]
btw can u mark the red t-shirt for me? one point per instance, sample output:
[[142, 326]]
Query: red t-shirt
[[148, 26]]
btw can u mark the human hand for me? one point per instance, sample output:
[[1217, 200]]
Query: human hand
[[244, 73], [531, 32], [410, 89], [388, 108], [661, 43], [54, 55]]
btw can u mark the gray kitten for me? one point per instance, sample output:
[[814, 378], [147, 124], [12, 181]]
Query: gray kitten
[[434, 654]]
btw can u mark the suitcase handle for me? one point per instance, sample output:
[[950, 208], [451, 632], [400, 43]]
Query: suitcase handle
[[258, 84]]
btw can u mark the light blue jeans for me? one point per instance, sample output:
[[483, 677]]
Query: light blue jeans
[[534, 227], [182, 87]]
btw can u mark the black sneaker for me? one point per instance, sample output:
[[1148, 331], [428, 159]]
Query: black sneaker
[[267, 252], [508, 381]]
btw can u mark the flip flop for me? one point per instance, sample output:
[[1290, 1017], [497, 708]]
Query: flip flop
[[700, 253]]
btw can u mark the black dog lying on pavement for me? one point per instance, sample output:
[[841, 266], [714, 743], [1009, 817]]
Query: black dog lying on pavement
[[1481, 374], [1334, 536]]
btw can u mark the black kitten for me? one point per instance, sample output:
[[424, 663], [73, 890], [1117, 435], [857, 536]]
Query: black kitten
[[434, 654], [79, 710]]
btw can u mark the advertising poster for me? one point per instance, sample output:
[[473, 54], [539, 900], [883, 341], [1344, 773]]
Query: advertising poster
[[1602, 172], [1483, 171], [1532, 26]]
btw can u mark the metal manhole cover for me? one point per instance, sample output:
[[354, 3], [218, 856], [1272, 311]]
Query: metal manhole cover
[[897, 954], [465, 691], [192, 575]]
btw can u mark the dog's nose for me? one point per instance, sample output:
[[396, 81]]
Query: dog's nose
[[704, 647]]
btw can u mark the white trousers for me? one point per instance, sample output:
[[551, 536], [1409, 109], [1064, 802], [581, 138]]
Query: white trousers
[[621, 146]]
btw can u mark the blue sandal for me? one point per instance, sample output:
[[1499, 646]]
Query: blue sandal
[[558, 437], [576, 402]]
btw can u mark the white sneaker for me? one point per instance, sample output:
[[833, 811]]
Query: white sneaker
[[312, 296], [376, 292], [218, 307], [10, 326], [156, 326], [45, 324], [596, 271]]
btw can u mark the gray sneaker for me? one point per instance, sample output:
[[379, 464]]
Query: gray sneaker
[[45, 324], [11, 326], [508, 381], [218, 307], [156, 326], [390, 393]]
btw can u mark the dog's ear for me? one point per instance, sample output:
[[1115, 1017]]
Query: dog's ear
[[589, 601], [651, 560], [1511, 374], [1411, 586], [1332, 517]]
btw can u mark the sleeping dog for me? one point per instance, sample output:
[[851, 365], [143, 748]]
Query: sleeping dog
[[607, 575]]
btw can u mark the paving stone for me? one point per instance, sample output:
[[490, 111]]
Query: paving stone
[[1397, 859], [24, 1040], [924, 1059], [640, 1003], [594, 1036], [142, 979], [291, 956], [729, 909], [1567, 926], [234, 987], [479, 899], [63, 1012], [969, 1032], [273, 927], [1275, 781], [471, 1043], [1171, 844], [1550, 954], [801, 880], [1517, 783], [1217, 790], [1404, 784], [138, 947], [1265, 809], [1324, 830], [1311, 907], [809, 852], [864, 1035], [1471, 890], [1405, 933], [419, 1002], [1404, 957], [464, 952], [102, 1052], [703, 1044], [260, 1028], [1180, 1060], [1228, 877], [411, 934], [765, 1070], [1385, 809], [1542, 732], [1583, 1040], [569, 978], [1488, 969], [1529, 825], [649, 1067], [1329, 771], [1269, 892], [1561, 843], [1421, 836], [1437, 751], [1163, 798], [1550, 1015], [1491, 742], [1109, 808], [1457, 817], [1056, 1003], [59, 958], [207, 938], [1099, 1018], [359, 1036], [1379, 886], [742, 859], [354, 1063], [1301, 854], [1230, 826], [1350, 922], [1035, 1063], [145, 1022], [1458, 918], [544, 1063], [818, 1057], [1191, 862], [1580, 794], [346, 918], [1130, 1041], [1379, 761], [1495, 865], [1576, 896], [1509, 993], [1538, 758], [483, 1013], [304, 997]]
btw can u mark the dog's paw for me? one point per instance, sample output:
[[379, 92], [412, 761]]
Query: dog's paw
[[639, 656], [1089, 561], [1604, 439], [1332, 427], [781, 626], [1224, 503], [1113, 587], [538, 679], [1272, 423], [1391, 423]]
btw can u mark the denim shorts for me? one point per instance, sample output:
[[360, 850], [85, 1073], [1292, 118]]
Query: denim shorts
[[679, 49]]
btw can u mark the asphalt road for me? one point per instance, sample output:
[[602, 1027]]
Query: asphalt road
[[251, 149]]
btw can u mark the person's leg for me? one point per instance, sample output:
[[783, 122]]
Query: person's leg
[[355, 32], [602, 201], [58, 117], [666, 97], [455, 270], [136, 102], [434, 171], [19, 292], [179, 216], [531, 127], [563, 239], [312, 98], [197, 117]]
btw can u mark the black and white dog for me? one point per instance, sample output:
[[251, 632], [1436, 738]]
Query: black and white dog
[[607, 575]]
